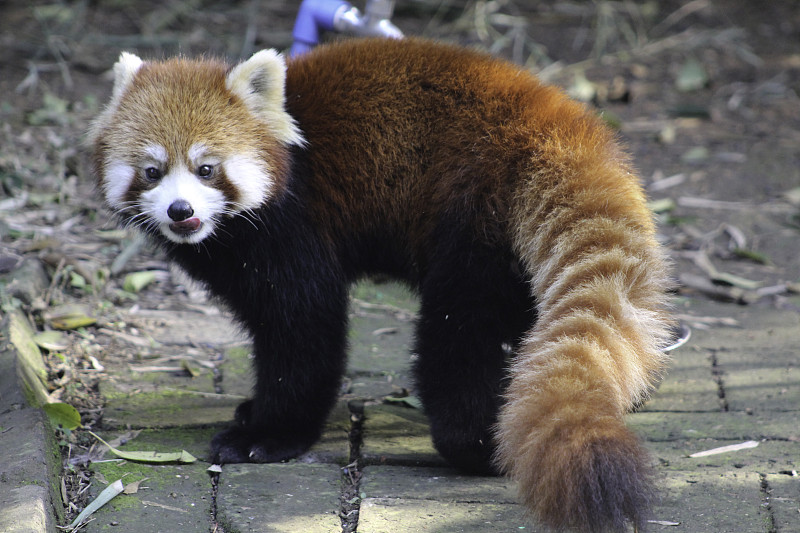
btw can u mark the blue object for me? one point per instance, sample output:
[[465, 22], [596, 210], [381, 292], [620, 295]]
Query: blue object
[[339, 15], [313, 16]]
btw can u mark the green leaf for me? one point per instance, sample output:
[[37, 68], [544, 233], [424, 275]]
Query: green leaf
[[408, 401], [752, 255], [108, 494], [692, 76], [51, 340], [63, 414], [663, 205], [726, 278], [54, 110], [69, 317], [136, 281], [76, 280], [150, 456], [697, 154]]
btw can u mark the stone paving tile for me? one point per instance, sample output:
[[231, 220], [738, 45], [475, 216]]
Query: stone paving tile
[[172, 498], [236, 371], [390, 515], [688, 384], [660, 426], [383, 346], [785, 501], [710, 502], [193, 440], [167, 408], [397, 435], [768, 456], [334, 445], [772, 385], [379, 358], [292, 497], [213, 327], [435, 483]]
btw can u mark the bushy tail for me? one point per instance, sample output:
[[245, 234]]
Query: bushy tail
[[599, 279]]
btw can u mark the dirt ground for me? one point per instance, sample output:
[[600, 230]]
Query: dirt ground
[[704, 92]]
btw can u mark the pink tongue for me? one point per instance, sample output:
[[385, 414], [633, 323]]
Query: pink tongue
[[185, 226]]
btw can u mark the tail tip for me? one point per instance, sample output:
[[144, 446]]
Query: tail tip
[[605, 486]]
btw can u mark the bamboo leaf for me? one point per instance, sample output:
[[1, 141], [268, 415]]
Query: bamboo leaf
[[408, 401], [108, 494], [150, 456]]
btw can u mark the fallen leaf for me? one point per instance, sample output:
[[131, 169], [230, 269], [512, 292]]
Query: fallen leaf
[[408, 401], [191, 371], [725, 449], [67, 317], [663, 205], [150, 456], [136, 281], [63, 414], [692, 75], [752, 255], [733, 280], [51, 340], [133, 488], [695, 155], [108, 494], [162, 506]]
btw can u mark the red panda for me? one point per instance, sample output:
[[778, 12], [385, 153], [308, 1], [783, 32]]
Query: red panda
[[511, 210]]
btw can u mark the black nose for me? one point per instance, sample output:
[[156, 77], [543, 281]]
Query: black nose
[[180, 210]]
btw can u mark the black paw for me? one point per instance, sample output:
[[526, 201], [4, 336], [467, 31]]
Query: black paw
[[471, 456], [239, 445]]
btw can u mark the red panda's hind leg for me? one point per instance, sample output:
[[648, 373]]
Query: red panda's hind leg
[[474, 309]]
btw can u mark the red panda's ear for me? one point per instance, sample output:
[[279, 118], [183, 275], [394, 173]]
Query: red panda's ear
[[125, 69], [260, 82]]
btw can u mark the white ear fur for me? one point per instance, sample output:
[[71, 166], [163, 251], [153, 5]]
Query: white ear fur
[[260, 82], [125, 69]]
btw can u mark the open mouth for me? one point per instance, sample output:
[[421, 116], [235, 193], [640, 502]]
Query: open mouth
[[186, 227]]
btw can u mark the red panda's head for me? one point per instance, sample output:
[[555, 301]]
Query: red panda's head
[[185, 143]]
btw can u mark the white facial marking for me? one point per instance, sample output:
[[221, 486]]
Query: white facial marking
[[251, 179], [196, 152], [157, 153], [180, 184], [116, 182], [199, 155], [247, 173]]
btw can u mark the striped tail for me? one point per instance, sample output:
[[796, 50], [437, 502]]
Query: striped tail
[[599, 279]]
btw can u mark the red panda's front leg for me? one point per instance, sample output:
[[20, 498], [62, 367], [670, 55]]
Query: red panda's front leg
[[299, 339]]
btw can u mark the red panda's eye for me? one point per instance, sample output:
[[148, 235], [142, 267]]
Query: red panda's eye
[[152, 173], [205, 171]]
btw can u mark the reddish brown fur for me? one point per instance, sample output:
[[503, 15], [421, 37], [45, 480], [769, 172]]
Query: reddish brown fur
[[526, 164], [406, 134]]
